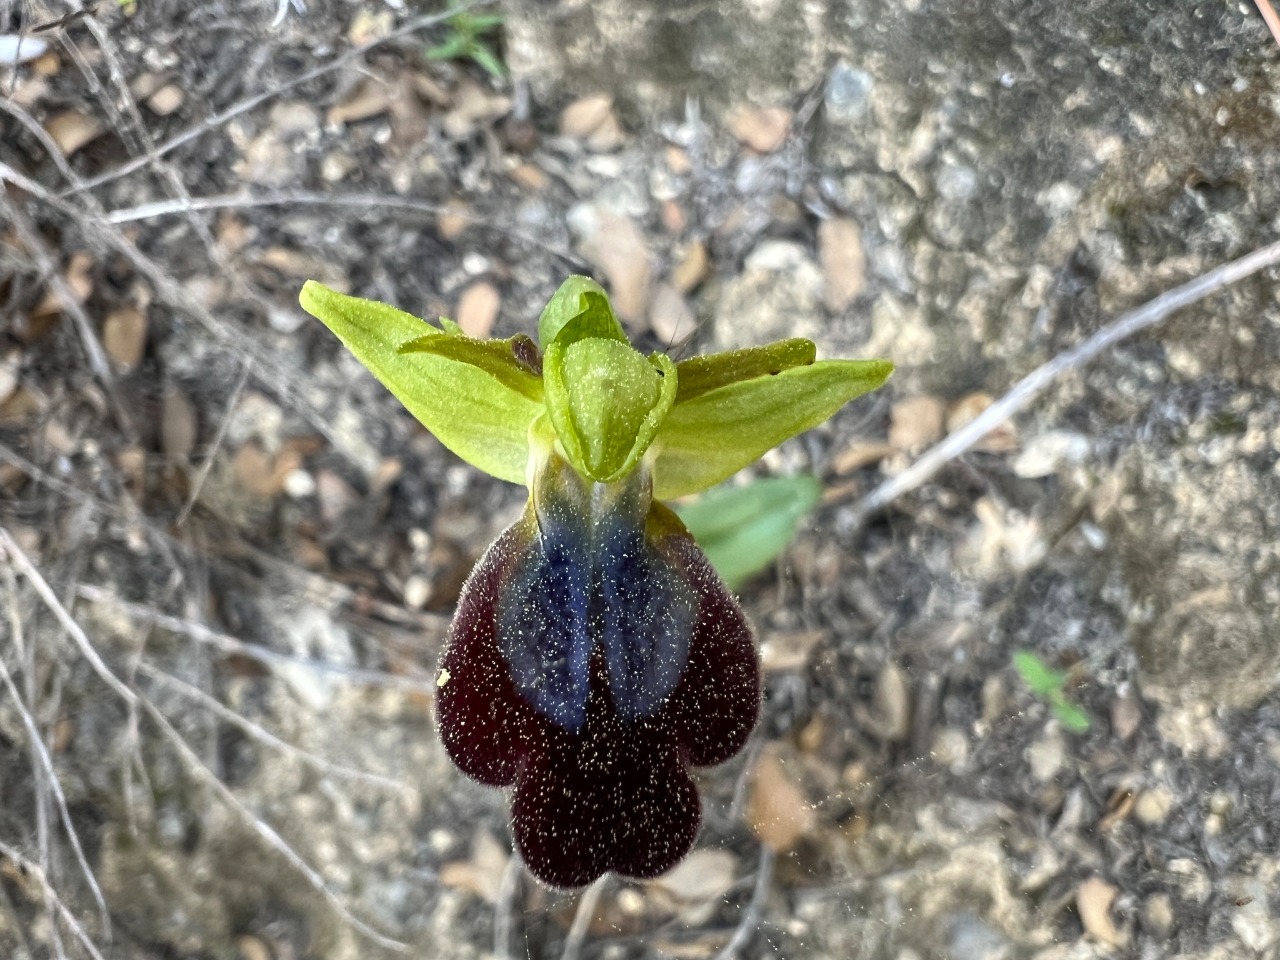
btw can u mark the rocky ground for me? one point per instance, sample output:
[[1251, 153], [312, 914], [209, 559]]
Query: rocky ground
[[231, 556]]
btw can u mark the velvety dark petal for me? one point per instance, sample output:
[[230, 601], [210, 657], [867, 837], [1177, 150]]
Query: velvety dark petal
[[485, 723], [646, 618], [542, 623], [615, 797], [717, 704]]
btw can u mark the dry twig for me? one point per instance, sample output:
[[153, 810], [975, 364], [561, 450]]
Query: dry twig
[[1272, 19], [33, 871], [582, 918], [750, 918], [1026, 390]]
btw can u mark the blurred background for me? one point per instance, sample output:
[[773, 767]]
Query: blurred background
[[1031, 709]]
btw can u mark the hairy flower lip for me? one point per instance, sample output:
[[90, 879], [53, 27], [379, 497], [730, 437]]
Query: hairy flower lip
[[616, 795]]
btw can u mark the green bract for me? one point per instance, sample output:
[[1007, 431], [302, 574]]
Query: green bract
[[605, 406]]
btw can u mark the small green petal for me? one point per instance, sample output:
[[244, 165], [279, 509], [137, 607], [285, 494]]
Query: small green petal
[[714, 435], [579, 309], [699, 375], [607, 402], [478, 416], [501, 359]]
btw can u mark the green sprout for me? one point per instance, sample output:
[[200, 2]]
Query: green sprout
[[1050, 685], [466, 41], [744, 529]]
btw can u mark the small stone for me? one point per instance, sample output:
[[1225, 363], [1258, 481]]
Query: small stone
[[844, 265], [1046, 756], [1044, 454], [1157, 915], [1094, 897], [72, 130], [124, 336], [915, 423], [950, 749], [762, 129], [417, 591], [1153, 805], [299, 484], [177, 425], [166, 100]]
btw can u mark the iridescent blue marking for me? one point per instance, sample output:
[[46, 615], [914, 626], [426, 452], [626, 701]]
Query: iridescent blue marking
[[543, 628], [646, 617], [589, 576]]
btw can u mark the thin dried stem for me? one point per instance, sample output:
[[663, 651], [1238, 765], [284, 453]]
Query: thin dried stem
[[232, 645], [244, 106], [280, 380], [505, 907], [1271, 17], [1026, 390], [283, 198], [24, 566], [582, 918], [48, 265], [750, 918], [264, 736], [41, 752], [203, 473], [265, 831], [32, 871]]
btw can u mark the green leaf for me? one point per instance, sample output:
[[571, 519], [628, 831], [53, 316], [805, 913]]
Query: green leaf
[[1040, 678], [1072, 717], [487, 59], [450, 49], [743, 529], [714, 435], [579, 309], [699, 375], [498, 358], [606, 402], [479, 417]]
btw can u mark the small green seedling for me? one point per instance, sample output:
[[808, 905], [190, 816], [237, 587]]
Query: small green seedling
[[466, 41], [1050, 685], [744, 529]]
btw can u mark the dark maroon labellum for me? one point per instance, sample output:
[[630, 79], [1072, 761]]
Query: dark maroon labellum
[[596, 656]]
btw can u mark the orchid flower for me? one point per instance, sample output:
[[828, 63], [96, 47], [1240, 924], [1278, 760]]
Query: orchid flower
[[595, 656]]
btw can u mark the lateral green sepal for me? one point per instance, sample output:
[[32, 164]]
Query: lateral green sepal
[[501, 359], [717, 433], [478, 416]]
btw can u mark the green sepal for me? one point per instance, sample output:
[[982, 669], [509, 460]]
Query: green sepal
[[717, 433], [498, 358], [579, 309], [476, 415], [744, 529], [606, 402], [699, 375]]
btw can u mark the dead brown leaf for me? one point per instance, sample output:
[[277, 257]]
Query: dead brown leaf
[[369, 98], [177, 425], [693, 267], [124, 335], [478, 309], [482, 873], [844, 265], [582, 117], [1094, 897], [915, 423], [616, 246], [1003, 439], [763, 129], [669, 315], [703, 875], [859, 454], [778, 812], [72, 130]]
